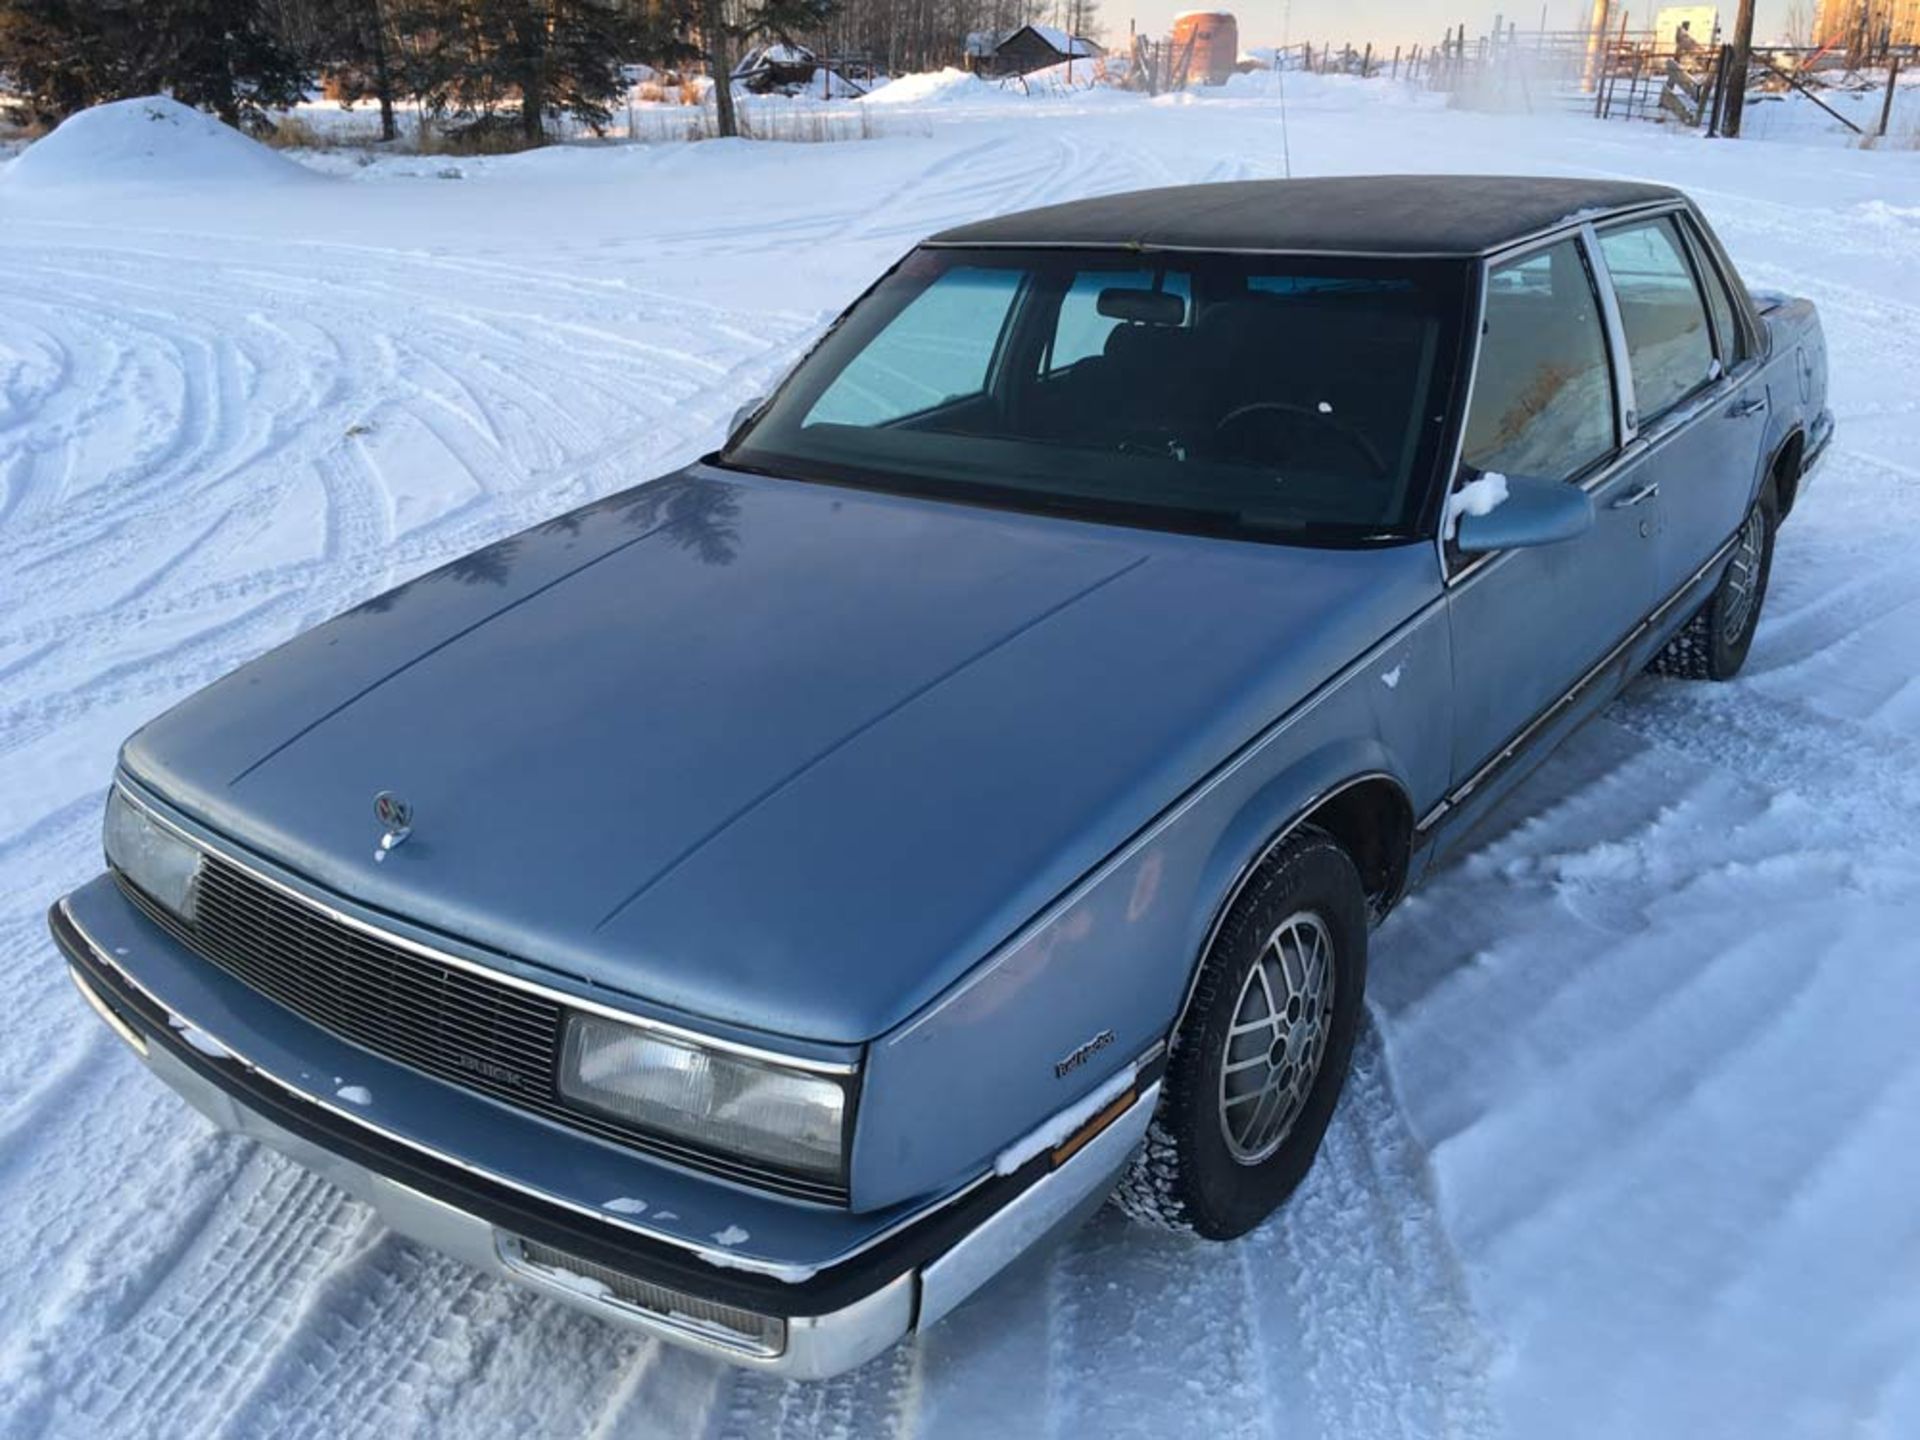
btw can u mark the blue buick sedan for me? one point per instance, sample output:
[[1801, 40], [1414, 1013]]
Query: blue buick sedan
[[758, 906]]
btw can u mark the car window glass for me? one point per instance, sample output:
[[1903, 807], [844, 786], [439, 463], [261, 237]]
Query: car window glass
[[1668, 343], [1543, 394], [938, 349], [1720, 303], [1081, 330], [1290, 399]]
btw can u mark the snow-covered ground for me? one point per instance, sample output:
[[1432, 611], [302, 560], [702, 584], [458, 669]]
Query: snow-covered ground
[[1631, 1150]]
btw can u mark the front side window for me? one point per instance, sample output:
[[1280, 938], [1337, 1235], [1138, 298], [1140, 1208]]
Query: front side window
[[1280, 398], [1543, 401], [1669, 343]]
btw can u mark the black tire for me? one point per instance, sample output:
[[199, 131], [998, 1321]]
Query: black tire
[[1711, 645], [1187, 1177]]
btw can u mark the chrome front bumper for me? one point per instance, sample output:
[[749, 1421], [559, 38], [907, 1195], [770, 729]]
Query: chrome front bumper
[[799, 1346]]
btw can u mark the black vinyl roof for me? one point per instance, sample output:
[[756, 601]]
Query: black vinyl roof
[[1370, 214]]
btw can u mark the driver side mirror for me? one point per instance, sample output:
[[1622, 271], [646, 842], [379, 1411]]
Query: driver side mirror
[[1516, 511], [741, 416]]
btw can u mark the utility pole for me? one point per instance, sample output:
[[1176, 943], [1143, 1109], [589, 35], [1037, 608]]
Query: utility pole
[[1596, 47], [1737, 64]]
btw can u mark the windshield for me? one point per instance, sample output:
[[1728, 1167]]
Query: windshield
[[1279, 398]]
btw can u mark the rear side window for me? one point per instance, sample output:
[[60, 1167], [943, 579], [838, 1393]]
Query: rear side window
[[1726, 325], [1082, 331], [1543, 394], [1668, 340], [939, 349]]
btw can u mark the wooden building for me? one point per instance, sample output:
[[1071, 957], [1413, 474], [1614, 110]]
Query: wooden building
[[1030, 48]]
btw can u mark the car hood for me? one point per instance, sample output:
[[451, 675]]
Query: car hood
[[782, 755]]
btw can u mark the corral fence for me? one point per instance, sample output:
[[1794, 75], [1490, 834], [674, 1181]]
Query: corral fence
[[1627, 74]]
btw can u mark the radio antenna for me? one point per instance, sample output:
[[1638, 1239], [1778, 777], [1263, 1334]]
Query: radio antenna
[[1280, 80]]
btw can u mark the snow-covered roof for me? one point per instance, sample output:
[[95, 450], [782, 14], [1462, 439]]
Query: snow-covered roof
[[777, 54], [981, 43], [762, 56], [1058, 39]]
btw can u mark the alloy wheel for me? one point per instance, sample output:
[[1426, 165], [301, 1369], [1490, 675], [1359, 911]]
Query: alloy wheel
[[1278, 1038]]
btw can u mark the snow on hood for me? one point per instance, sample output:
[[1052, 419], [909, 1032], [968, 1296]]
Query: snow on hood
[[154, 140]]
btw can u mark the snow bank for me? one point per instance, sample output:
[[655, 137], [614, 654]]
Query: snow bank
[[935, 87], [154, 140]]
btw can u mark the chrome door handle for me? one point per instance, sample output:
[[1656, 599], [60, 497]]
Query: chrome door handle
[[1740, 409], [1645, 492]]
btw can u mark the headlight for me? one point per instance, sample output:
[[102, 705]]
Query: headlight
[[787, 1119], [159, 863]]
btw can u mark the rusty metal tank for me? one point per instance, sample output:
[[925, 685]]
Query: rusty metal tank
[[1205, 46]]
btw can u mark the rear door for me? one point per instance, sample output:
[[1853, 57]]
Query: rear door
[[1528, 624], [1701, 401]]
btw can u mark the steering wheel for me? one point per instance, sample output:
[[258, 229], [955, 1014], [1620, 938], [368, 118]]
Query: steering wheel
[[1355, 440]]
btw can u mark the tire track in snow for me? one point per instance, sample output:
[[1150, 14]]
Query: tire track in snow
[[386, 1330], [221, 1312], [1386, 1337], [1344, 1315]]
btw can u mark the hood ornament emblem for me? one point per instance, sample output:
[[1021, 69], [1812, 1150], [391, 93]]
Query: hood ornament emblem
[[396, 815]]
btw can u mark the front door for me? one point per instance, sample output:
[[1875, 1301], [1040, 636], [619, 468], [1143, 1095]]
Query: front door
[[1528, 624]]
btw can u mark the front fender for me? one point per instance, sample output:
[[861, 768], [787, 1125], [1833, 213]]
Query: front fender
[[1099, 978]]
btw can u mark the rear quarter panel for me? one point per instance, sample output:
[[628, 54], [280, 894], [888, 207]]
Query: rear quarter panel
[[1793, 359], [1796, 376]]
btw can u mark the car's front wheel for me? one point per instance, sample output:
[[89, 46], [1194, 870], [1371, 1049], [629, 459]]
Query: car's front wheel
[[1259, 1060], [1713, 645]]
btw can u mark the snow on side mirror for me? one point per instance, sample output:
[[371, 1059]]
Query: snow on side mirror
[[1511, 512]]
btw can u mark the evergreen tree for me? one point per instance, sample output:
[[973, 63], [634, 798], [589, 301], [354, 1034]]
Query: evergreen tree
[[59, 56], [355, 41], [474, 60], [221, 55]]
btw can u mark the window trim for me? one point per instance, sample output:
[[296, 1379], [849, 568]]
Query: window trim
[[1644, 424], [1626, 398]]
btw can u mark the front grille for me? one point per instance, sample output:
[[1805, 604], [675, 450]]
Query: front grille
[[442, 1020], [729, 1325]]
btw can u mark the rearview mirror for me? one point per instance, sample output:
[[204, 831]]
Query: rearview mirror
[[741, 416], [1533, 512]]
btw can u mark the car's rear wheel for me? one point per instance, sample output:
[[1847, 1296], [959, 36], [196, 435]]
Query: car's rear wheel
[[1260, 1058], [1713, 645]]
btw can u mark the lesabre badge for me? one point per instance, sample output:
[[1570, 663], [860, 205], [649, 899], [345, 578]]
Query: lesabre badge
[[396, 815]]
